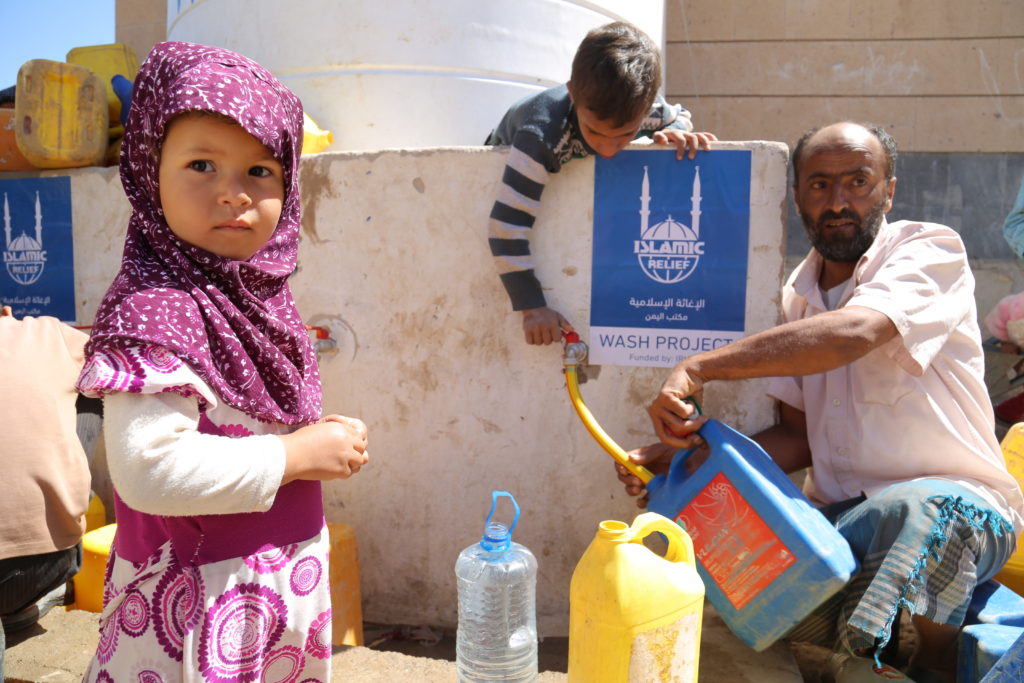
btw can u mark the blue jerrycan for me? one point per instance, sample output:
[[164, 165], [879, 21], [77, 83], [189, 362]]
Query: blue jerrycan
[[767, 557]]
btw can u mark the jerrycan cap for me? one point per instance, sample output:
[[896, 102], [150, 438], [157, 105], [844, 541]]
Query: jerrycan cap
[[498, 537]]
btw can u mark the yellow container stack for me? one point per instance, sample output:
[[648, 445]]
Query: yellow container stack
[[346, 597], [1012, 575], [96, 513], [314, 138], [107, 61], [89, 580], [634, 615], [61, 115]]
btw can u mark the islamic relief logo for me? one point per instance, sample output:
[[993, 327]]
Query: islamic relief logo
[[669, 251], [24, 256]]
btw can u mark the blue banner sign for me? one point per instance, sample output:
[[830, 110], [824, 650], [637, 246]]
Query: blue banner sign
[[669, 256], [39, 272]]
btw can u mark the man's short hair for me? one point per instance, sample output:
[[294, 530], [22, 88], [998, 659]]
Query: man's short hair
[[616, 73], [881, 134]]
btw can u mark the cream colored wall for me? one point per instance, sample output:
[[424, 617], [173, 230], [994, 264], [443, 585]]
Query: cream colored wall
[[140, 24], [940, 75], [394, 262]]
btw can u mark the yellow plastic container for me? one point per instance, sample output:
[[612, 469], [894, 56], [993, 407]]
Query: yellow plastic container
[[314, 138], [113, 156], [634, 615], [346, 599], [107, 61], [95, 514], [89, 580], [1012, 574], [61, 115]]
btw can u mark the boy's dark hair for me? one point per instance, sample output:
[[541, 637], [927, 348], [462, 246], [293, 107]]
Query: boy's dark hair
[[616, 73], [881, 134]]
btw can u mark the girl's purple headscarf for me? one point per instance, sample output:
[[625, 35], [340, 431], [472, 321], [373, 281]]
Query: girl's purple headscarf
[[234, 322]]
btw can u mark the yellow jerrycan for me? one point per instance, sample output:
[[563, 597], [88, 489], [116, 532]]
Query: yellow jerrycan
[[633, 614], [314, 138], [89, 580], [107, 61], [61, 115], [1012, 573], [346, 598]]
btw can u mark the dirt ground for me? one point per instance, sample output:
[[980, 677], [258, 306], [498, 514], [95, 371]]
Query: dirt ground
[[59, 647]]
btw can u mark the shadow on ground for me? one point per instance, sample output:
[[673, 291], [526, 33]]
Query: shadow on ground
[[422, 641]]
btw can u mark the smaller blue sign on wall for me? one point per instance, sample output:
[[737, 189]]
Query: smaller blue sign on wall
[[669, 256], [38, 277]]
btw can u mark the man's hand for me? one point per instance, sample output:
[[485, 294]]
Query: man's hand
[[673, 416], [544, 325], [656, 457], [684, 141]]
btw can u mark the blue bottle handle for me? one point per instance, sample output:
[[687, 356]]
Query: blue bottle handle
[[495, 495], [711, 432], [715, 435]]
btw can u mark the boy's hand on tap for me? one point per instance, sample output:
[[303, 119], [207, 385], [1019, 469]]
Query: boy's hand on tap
[[544, 325]]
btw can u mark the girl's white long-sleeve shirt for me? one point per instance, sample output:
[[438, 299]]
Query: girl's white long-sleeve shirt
[[161, 464]]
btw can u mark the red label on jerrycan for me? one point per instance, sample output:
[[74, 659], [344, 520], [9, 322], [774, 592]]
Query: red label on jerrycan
[[767, 557], [737, 547]]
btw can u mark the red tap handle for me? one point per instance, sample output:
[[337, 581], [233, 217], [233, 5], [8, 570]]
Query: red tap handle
[[570, 337], [321, 332]]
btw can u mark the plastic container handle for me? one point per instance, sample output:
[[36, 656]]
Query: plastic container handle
[[711, 432], [680, 547], [495, 495]]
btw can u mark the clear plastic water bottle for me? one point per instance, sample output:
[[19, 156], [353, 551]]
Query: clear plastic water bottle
[[497, 634]]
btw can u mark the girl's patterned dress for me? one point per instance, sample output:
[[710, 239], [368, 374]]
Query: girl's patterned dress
[[233, 597]]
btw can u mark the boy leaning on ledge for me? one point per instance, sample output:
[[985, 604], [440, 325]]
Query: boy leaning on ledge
[[610, 100]]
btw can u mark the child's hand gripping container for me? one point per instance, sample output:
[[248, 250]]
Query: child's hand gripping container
[[768, 558]]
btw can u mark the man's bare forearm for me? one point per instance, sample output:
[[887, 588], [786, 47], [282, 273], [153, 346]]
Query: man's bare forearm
[[804, 347]]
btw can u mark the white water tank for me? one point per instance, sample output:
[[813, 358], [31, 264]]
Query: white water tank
[[408, 73]]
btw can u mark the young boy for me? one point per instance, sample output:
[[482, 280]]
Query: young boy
[[610, 100]]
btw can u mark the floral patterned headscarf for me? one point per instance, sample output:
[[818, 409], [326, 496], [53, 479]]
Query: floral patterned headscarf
[[234, 322]]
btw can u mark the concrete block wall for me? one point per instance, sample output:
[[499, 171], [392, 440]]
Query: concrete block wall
[[945, 79], [394, 262], [940, 75]]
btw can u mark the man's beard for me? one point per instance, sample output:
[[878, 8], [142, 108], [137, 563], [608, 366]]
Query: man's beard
[[845, 250]]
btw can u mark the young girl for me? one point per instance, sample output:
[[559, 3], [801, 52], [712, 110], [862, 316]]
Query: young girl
[[211, 390]]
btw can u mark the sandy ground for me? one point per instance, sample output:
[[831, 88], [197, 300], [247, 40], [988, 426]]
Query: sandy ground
[[58, 649]]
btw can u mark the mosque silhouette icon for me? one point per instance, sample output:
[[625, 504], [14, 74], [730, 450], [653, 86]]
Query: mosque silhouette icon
[[669, 251], [24, 257]]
